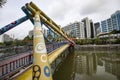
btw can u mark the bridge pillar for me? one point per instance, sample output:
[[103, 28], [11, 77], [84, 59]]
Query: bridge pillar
[[41, 67], [71, 49]]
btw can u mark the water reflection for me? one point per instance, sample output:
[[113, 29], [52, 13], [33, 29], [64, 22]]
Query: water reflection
[[85, 64], [112, 64], [90, 66]]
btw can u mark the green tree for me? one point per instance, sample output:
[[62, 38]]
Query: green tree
[[2, 44], [98, 41], [2, 2], [114, 32], [117, 41], [28, 40], [89, 41], [17, 42], [9, 43], [82, 41]]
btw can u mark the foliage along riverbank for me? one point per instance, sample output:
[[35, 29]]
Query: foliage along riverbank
[[108, 47]]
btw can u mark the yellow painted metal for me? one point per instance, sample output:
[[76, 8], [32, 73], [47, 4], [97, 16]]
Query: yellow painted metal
[[33, 8], [41, 63], [41, 66], [28, 74], [56, 53]]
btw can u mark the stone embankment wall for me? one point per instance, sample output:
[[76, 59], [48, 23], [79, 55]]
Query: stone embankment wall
[[98, 47]]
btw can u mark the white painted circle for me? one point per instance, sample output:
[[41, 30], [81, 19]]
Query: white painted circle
[[40, 48], [43, 58]]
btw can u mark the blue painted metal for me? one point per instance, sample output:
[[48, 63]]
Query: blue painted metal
[[50, 31], [52, 46], [50, 34], [13, 24], [42, 22], [5, 71], [24, 9], [47, 71]]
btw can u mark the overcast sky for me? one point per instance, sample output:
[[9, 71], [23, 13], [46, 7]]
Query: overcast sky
[[62, 12]]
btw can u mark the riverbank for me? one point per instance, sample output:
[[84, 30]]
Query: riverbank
[[98, 47]]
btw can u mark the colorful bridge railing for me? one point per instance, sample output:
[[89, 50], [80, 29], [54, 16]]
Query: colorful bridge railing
[[12, 65]]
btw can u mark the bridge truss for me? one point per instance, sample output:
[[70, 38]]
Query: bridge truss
[[41, 62]]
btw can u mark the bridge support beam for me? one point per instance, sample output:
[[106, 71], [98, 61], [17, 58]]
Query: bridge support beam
[[41, 67], [71, 49]]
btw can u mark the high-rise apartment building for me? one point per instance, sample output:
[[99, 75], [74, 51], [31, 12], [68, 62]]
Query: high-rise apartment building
[[109, 24], [73, 29], [88, 28], [104, 26], [116, 20], [112, 23], [82, 31], [97, 28], [92, 27]]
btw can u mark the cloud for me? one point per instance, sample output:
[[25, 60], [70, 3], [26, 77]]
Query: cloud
[[95, 6], [61, 11], [11, 12], [99, 7], [68, 10]]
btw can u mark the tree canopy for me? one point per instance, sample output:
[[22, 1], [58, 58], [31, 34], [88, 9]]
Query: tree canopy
[[2, 2]]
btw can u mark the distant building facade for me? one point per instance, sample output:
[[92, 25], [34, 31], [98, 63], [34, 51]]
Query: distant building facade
[[73, 29], [97, 28], [109, 24], [112, 23], [98, 31], [116, 20], [1, 39], [88, 28], [92, 29], [31, 33], [45, 31], [82, 31], [104, 26]]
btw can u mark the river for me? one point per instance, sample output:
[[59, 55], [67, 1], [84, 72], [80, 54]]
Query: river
[[89, 65]]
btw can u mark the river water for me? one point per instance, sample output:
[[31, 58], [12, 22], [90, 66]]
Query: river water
[[89, 65]]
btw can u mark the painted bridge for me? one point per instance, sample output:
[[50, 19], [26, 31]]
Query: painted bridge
[[38, 60]]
